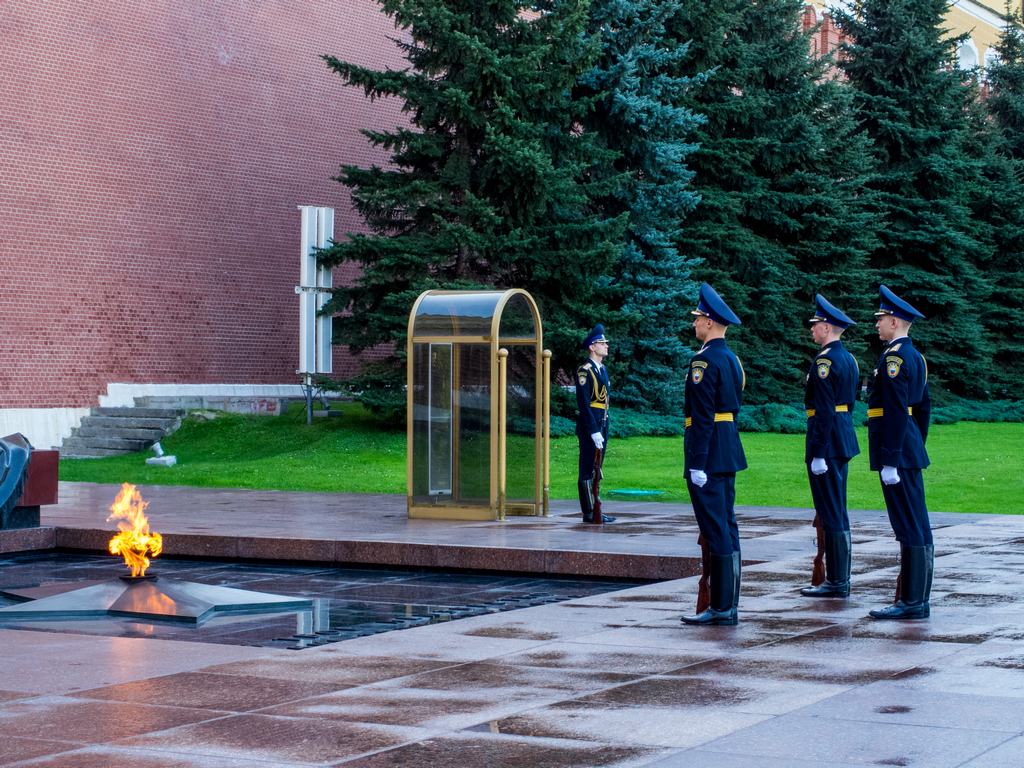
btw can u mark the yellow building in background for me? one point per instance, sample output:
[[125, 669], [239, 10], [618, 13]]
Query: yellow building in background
[[983, 23]]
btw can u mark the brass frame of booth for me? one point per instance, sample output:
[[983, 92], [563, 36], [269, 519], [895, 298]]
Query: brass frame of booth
[[465, 334]]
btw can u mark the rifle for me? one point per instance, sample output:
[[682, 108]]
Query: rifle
[[703, 587], [596, 485], [818, 572]]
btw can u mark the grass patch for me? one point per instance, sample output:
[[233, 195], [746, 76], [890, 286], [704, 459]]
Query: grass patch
[[975, 467], [354, 453]]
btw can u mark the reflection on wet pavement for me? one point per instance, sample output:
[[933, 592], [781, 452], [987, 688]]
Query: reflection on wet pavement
[[347, 603]]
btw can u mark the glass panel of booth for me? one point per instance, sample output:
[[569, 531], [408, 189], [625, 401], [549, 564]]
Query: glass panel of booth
[[456, 313], [522, 440], [454, 399], [451, 423], [517, 321]]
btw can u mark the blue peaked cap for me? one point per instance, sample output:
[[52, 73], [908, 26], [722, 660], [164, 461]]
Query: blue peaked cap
[[824, 312], [594, 336], [894, 305], [711, 305]]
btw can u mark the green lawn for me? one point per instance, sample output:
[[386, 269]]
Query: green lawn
[[975, 467]]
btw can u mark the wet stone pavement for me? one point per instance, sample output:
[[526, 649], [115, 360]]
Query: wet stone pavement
[[607, 679]]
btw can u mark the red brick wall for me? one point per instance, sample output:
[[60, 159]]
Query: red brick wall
[[152, 156], [828, 37]]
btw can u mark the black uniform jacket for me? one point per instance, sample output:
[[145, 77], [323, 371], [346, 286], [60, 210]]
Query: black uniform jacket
[[831, 385], [899, 408], [714, 394], [591, 398]]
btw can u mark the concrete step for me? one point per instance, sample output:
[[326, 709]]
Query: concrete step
[[90, 429], [106, 443], [87, 453], [126, 422], [140, 413], [116, 431]]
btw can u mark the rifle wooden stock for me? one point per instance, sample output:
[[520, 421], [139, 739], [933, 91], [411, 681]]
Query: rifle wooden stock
[[703, 587], [596, 485], [818, 572]]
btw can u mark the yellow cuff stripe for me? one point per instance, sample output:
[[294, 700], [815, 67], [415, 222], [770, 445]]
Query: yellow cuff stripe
[[876, 413], [839, 409], [598, 405], [718, 417]]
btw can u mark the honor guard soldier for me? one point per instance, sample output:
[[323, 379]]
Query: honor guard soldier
[[592, 421], [831, 443], [714, 393], [899, 408]]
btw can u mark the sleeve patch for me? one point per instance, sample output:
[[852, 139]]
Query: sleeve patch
[[892, 366], [823, 368], [583, 379]]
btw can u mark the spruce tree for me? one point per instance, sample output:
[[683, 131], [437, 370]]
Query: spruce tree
[[999, 138], [913, 105], [491, 184], [779, 170], [635, 87]]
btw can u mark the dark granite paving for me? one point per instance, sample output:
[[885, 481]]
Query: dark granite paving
[[609, 679]]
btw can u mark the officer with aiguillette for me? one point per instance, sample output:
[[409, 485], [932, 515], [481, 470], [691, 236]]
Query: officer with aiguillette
[[899, 409], [713, 453], [830, 444], [592, 421]]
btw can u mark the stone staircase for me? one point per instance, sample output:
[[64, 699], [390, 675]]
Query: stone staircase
[[116, 431]]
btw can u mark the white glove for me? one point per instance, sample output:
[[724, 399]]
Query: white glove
[[890, 476], [698, 477], [598, 440], [818, 466]]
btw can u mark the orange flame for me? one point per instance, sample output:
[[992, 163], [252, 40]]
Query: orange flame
[[134, 540]]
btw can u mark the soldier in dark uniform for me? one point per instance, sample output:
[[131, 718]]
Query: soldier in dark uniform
[[899, 409], [592, 421], [714, 393], [831, 443]]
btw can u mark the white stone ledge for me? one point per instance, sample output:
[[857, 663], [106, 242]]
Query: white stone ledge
[[123, 395], [45, 428]]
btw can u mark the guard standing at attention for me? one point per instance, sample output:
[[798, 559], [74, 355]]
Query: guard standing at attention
[[830, 444], [899, 409], [592, 421], [713, 453]]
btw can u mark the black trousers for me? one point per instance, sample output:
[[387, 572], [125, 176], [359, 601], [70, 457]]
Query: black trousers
[[588, 453], [714, 505], [908, 514], [828, 490]]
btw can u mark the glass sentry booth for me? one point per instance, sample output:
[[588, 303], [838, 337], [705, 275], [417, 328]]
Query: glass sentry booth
[[477, 406]]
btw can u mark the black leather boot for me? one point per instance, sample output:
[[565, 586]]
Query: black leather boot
[[724, 587], [838, 561], [587, 504], [586, 501], [916, 567]]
